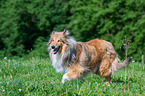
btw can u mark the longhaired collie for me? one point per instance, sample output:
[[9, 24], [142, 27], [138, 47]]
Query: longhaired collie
[[76, 59]]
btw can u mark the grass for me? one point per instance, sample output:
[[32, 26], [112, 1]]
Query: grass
[[36, 76]]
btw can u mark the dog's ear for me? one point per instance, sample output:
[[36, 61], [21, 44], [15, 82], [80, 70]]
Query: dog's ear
[[66, 32], [53, 32]]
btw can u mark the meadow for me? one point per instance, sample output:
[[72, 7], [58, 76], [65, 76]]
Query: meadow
[[36, 77]]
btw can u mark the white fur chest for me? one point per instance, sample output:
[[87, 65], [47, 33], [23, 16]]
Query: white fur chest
[[57, 63]]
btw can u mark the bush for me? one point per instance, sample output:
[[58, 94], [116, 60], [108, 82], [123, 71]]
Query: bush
[[23, 22], [110, 20], [40, 48]]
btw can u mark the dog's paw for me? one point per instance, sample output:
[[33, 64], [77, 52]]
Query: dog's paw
[[65, 78]]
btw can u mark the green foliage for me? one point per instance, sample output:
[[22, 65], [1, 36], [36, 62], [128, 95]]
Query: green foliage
[[40, 48], [37, 77], [110, 20], [24, 21]]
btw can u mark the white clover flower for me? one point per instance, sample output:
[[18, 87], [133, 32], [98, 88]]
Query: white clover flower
[[103, 85], [108, 85], [20, 89]]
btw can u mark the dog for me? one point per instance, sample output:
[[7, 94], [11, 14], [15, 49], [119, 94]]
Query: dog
[[76, 59]]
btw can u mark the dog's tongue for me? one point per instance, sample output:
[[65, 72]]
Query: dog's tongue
[[54, 51]]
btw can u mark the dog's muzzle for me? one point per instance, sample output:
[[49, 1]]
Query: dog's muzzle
[[55, 49]]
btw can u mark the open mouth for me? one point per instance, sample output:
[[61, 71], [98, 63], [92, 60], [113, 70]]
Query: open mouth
[[55, 50]]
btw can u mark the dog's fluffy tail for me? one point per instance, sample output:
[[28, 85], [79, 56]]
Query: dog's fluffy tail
[[117, 65]]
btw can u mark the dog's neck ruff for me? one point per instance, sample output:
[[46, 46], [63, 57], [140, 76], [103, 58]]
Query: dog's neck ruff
[[57, 62], [62, 61]]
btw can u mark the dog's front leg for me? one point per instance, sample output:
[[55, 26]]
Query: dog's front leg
[[65, 78], [74, 73]]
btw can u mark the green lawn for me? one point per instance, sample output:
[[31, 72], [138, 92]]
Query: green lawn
[[36, 76]]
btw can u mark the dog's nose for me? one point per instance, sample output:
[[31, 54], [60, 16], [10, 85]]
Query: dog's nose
[[52, 46]]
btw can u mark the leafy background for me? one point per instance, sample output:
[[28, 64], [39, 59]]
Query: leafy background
[[25, 25]]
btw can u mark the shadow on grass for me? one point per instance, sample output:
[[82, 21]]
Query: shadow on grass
[[123, 81], [118, 81]]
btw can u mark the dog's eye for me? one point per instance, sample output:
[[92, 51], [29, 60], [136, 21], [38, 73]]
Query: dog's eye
[[58, 41]]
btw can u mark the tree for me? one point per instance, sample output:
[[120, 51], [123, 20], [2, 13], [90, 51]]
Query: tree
[[23, 21], [27, 24], [110, 20]]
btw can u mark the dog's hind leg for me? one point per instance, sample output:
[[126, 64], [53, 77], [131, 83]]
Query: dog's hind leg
[[105, 66], [108, 79], [75, 72]]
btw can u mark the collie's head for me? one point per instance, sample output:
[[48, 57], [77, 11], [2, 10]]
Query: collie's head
[[60, 41], [62, 50]]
